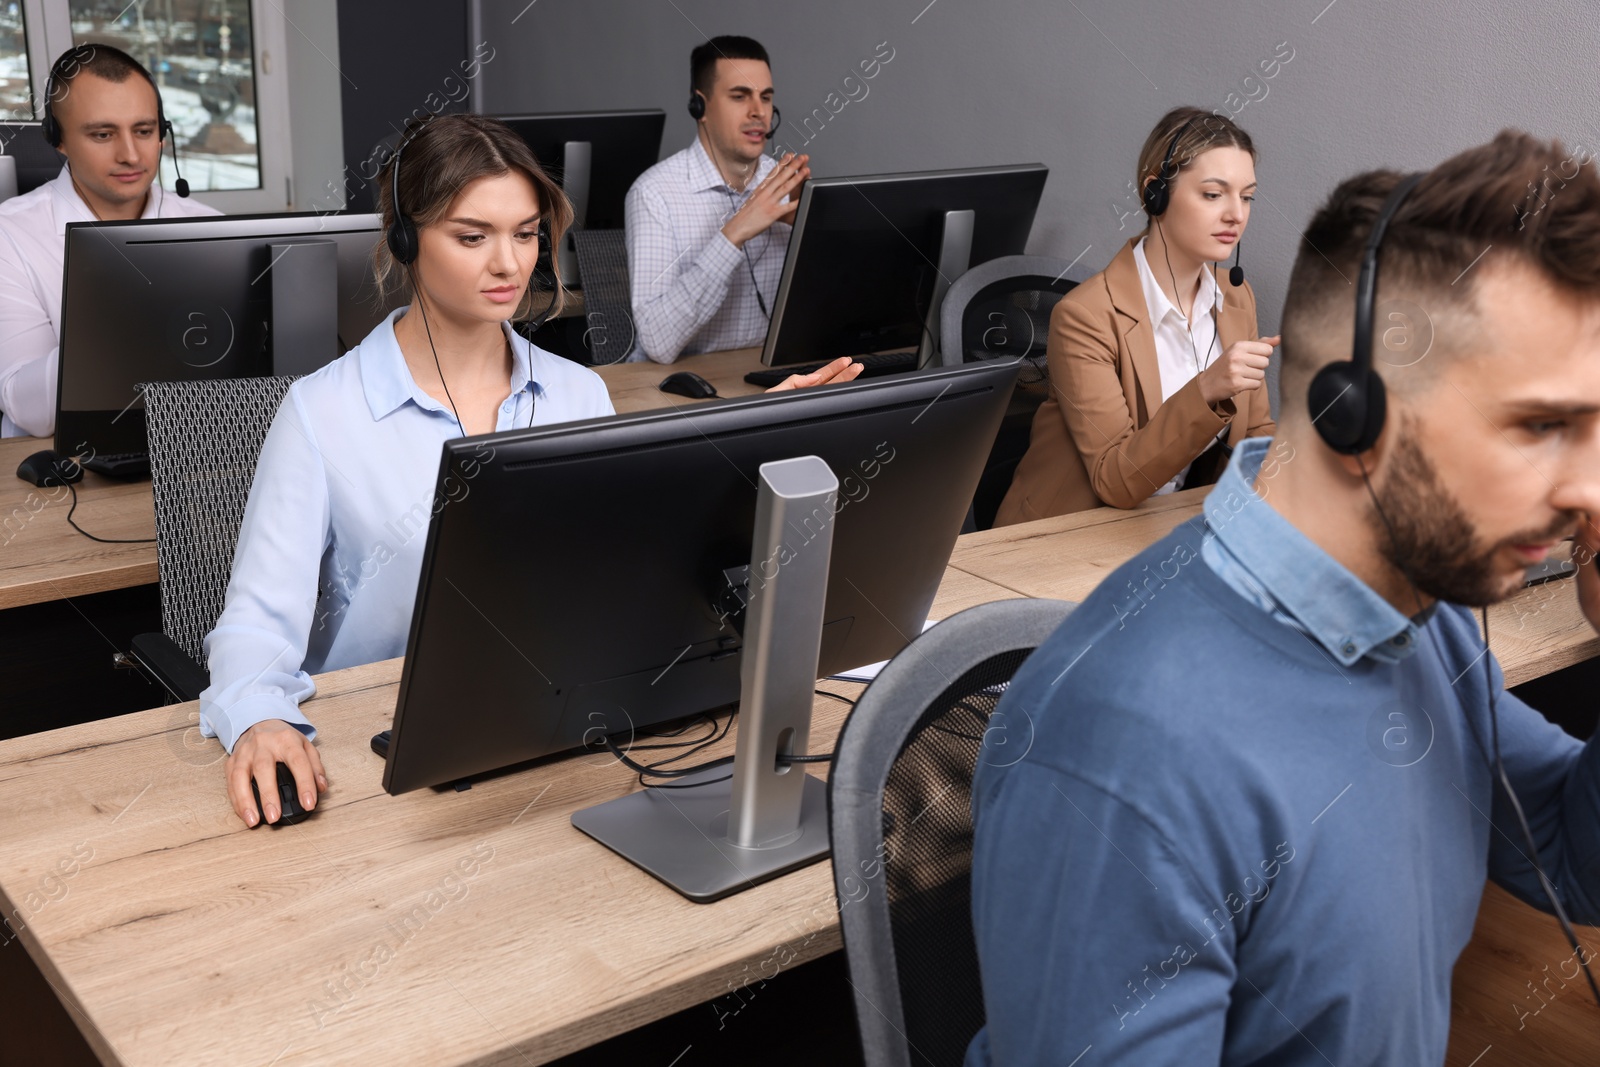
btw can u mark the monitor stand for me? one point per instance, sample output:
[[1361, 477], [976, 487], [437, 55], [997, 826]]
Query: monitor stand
[[728, 834], [576, 158], [304, 329], [955, 255]]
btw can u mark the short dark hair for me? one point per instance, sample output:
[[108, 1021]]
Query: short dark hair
[[703, 60], [1530, 201], [101, 60]]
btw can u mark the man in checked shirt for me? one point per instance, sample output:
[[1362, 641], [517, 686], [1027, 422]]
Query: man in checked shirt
[[707, 227]]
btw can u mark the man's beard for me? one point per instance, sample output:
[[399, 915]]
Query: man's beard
[[1430, 540]]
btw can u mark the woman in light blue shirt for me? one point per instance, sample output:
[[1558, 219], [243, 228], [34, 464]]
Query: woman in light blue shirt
[[330, 549]]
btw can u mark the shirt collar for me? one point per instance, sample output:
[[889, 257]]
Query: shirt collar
[[1338, 610], [387, 381], [704, 176], [1156, 300], [70, 207]]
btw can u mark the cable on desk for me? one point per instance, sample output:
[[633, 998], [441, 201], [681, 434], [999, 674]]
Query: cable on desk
[[103, 540], [646, 771]]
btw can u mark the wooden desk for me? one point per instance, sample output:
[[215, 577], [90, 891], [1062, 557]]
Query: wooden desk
[[1536, 632], [636, 386], [182, 938], [42, 558], [480, 927]]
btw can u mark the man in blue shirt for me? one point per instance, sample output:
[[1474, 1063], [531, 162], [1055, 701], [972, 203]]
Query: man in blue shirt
[[1258, 808]]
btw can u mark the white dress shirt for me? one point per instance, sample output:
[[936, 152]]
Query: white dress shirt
[[341, 501], [691, 287], [1183, 348], [33, 244]]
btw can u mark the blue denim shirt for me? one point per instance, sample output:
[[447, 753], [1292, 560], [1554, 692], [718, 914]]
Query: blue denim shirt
[[1266, 560]]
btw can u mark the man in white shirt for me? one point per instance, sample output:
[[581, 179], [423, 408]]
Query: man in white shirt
[[103, 113], [707, 228]]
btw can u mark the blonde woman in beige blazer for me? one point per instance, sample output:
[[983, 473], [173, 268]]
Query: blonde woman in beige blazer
[[1156, 367]]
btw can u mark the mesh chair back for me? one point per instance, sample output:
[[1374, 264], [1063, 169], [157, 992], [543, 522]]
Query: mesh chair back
[[204, 438], [899, 802], [1002, 308], [607, 303]]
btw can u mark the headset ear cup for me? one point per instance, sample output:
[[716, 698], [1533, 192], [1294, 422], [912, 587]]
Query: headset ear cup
[[1348, 406], [1155, 196], [402, 237], [697, 106]]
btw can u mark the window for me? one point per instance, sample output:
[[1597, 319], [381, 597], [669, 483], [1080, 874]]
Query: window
[[202, 54], [16, 83], [219, 66]]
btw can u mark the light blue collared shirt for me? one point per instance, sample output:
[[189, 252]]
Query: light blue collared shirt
[[330, 550], [1266, 560]]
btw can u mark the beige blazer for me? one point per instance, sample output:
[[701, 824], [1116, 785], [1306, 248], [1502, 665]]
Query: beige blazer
[[1104, 436]]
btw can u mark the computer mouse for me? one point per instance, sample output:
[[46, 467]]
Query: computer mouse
[[689, 384], [289, 806], [47, 468]]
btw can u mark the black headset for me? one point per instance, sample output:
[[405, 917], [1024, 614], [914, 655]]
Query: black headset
[[77, 56], [697, 111], [401, 235], [1347, 398], [402, 232], [1156, 196], [1157, 192]]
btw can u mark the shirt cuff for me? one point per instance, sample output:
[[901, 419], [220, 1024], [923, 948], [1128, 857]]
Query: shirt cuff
[[719, 258], [246, 712]]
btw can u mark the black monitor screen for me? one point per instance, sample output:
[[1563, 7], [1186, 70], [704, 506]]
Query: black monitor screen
[[186, 299], [861, 264], [37, 161], [623, 145], [573, 584]]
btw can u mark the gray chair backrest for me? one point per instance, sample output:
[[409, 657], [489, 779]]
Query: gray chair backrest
[[204, 439], [1002, 307], [900, 820], [607, 300]]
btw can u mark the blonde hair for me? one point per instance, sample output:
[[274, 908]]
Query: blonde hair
[[1206, 130]]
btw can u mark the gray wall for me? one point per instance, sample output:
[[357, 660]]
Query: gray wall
[[316, 132], [1077, 84]]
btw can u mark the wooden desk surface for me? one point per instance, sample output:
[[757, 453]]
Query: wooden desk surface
[[186, 938], [1536, 632], [431, 928], [42, 558], [636, 386]]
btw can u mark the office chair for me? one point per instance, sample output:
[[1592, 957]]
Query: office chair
[[607, 295], [1001, 310], [204, 439], [900, 821]]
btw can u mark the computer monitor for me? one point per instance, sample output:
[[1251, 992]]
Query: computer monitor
[[187, 299], [37, 161], [596, 156], [871, 257], [575, 583]]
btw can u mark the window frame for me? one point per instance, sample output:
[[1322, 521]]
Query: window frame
[[269, 40]]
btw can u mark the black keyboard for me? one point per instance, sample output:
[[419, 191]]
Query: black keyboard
[[872, 367], [120, 465]]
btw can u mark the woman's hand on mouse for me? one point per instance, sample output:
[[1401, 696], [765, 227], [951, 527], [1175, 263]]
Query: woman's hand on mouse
[[843, 369], [257, 753]]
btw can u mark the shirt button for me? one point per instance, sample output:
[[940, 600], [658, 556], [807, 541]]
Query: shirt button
[[1400, 642], [1349, 649]]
